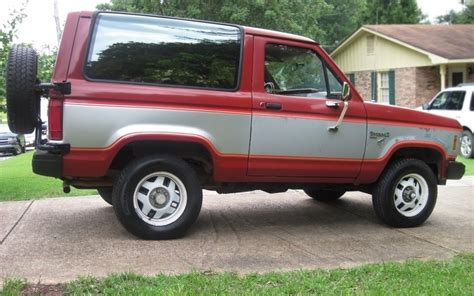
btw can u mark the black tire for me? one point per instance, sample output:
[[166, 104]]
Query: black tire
[[22, 99], [134, 217], [106, 194], [409, 172], [466, 150], [17, 151], [324, 195]]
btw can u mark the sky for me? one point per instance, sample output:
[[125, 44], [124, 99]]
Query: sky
[[39, 26]]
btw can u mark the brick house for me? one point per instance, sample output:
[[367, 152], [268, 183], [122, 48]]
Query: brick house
[[407, 65]]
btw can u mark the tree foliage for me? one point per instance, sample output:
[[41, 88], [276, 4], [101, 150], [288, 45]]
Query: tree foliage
[[46, 61], [46, 58], [465, 16], [391, 12]]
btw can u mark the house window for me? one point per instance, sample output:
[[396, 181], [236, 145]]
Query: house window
[[384, 90], [370, 45], [351, 77], [382, 86]]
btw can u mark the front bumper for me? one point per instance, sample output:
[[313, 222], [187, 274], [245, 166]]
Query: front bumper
[[9, 148], [455, 170]]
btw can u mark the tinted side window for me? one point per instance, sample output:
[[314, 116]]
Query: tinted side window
[[298, 71], [142, 49], [472, 102], [450, 100]]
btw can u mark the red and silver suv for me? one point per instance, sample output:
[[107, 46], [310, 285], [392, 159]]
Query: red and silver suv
[[151, 110]]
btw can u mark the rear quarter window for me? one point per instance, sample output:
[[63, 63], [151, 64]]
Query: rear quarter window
[[164, 51]]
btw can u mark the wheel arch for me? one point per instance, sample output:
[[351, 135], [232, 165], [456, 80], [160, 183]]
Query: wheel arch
[[196, 154], [195, 150], [433, 154], [84, 162]]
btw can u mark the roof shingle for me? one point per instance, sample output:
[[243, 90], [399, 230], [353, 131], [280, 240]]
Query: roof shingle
[[448, 41]]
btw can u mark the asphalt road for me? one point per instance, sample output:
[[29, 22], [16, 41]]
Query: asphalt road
[[56, 240]]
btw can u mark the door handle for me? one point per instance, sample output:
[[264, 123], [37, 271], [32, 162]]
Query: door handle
[[335, 128], [331, 104], [271, 105]]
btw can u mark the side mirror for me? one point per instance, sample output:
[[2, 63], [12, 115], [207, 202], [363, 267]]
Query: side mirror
[[346, 91], [425, 106]]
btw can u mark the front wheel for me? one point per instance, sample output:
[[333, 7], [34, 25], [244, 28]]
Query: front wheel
[[157, 197], [466, 145], [406, 193]]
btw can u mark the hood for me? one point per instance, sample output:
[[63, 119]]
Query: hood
[[405, 116], [4, 135]]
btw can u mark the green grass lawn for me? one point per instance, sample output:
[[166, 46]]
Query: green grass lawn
[[449, 277], [18, 182], [3, 117], [469, 163]]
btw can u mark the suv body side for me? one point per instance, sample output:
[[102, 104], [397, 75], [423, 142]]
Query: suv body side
[[246, 141], [150, 110]]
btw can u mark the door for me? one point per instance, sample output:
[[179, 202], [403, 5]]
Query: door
[[457, 78], [296, 99]]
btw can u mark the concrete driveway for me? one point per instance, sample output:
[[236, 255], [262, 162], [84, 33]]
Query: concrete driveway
[[56, 240]]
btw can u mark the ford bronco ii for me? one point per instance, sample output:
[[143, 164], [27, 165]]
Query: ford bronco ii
[[151, 110]]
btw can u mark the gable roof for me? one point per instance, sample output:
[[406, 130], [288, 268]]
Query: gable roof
[[451, 42]]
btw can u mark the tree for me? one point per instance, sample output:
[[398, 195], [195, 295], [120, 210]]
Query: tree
[[46, 61], [343, 20], [391, 12], [7, 33], [465, 16]]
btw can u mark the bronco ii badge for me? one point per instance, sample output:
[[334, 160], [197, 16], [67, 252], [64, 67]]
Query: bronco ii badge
[[376, 135]]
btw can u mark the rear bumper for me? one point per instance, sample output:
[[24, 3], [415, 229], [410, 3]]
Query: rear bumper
[[455, 170], [48, 160], [47, 164]]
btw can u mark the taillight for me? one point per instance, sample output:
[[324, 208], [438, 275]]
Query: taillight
[[55, 117]]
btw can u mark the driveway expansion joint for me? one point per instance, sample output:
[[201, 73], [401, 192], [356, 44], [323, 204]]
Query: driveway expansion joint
[[428, 241], [16, 223]]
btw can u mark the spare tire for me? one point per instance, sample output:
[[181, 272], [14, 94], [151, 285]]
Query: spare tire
[[22, 99]]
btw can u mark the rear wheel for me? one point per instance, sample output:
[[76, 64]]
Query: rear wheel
[[157, 197], [106, 194], [22, 99], [466, 145], [324, 195], [406, 193]]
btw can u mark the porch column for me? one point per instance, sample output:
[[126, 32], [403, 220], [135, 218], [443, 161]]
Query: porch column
[[442, 74]]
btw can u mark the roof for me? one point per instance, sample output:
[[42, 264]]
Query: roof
[[447, 41], [450, 42], [276, 34], [248, 30]]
